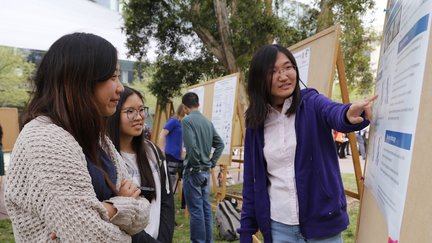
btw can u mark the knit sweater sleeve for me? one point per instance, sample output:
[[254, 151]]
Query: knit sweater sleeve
[[49, 190], [132, 214]]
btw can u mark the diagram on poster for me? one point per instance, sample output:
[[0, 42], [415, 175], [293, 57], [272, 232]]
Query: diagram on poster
[[223, 109]]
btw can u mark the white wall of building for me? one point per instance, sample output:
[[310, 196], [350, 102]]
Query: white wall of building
[[36, 24]]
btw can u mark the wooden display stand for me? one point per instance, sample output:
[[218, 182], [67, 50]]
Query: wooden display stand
[[219, 102], [221, 97], [10, 125]]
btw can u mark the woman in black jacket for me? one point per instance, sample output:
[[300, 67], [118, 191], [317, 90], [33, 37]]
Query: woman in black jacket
[[145, 164]]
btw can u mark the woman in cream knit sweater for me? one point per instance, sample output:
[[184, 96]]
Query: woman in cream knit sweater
[[66, 182]]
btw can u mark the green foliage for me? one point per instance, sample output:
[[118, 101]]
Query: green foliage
[[143, 75], [171, 74], [356, 39], [15, 72], [191, 43]]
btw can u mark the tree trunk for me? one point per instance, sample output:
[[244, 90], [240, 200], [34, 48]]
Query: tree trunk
[[225, 35], [269, 12], [325, 17]]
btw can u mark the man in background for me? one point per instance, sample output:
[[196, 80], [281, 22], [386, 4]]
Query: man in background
[[199, 136]]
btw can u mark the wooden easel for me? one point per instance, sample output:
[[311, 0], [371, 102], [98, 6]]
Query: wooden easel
[[352, 137]]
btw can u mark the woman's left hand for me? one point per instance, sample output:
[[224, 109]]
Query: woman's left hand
[[357, 108]]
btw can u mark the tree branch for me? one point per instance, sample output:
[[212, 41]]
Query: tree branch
[[234, 8], [223, 28], [206, 37], [211, 43]]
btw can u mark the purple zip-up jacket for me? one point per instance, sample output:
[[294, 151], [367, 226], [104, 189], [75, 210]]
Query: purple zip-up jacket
[[321, 196]]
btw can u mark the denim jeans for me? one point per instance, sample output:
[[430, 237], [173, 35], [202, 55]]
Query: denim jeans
[[196, 188], [283, 233]]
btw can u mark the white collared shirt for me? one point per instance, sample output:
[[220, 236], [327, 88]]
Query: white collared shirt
[[279, 151], [155, 205]]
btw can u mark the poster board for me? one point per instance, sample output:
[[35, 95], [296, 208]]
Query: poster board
[[395, 205], [318, 73], [10, 125], [219, 103], [317, 59]]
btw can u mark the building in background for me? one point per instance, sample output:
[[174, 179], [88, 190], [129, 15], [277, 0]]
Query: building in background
[[111, 4], [34, 25]]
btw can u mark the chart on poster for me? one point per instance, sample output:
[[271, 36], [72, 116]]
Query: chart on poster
[[223, 109]]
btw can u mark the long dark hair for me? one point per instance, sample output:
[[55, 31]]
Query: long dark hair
[[259, 84], [64, 88], [138, 143]]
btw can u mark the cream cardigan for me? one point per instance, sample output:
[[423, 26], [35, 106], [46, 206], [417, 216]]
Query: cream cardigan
[[49, 189]]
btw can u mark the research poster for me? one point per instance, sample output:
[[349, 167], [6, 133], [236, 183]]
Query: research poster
[[223, 109], [399, 84], [303, 59], [200, 92]]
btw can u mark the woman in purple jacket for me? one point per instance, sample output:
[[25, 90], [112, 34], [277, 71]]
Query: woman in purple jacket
[[292, 189]]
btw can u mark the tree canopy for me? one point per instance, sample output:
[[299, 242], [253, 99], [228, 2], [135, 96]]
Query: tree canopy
[[203, 39], [356, 38], [15, 72]]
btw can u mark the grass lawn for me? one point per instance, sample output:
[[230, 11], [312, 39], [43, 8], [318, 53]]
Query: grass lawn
[[6, 234], [181, 232]]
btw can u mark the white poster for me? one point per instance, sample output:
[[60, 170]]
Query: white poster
[[200, 92], [223, 109], [303, 59], [399, 84]]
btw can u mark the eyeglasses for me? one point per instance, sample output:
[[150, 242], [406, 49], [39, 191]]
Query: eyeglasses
[[132, 113], [284, 70]]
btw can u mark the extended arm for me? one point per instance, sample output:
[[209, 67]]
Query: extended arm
[[341, 117], [354, 113]]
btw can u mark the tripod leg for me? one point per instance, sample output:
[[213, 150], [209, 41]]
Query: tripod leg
[[176, 185]]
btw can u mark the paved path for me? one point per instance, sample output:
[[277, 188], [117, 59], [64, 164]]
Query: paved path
[[347, 166]]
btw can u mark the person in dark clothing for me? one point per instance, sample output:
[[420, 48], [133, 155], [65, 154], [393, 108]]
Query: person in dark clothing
[[199, 137], [289, 154], [2, 171], [146, 165]]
